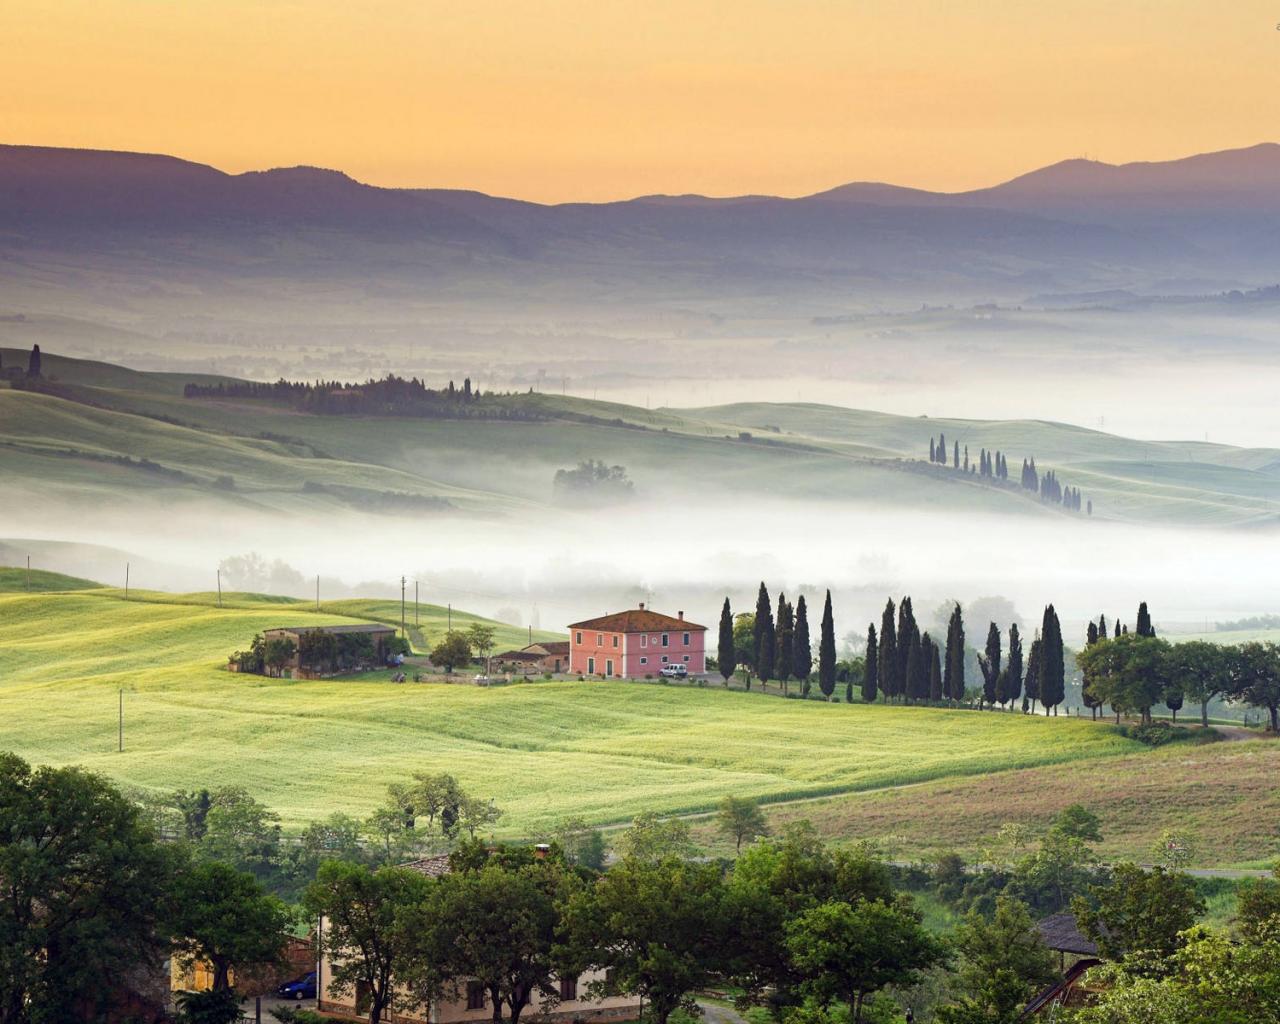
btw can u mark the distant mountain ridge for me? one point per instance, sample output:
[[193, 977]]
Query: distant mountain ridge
[[1211, 220]]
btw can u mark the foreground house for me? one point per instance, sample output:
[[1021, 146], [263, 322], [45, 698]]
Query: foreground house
[[636, 643], [548, 656], [372, 641], [473, 1006], [1060, 933]]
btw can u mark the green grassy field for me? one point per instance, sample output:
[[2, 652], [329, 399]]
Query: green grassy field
[[14, 578], [543, 750], [60, 448], [1221, 794]]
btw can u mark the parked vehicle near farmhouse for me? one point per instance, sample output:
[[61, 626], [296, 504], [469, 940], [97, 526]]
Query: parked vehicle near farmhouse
[[299, 988]]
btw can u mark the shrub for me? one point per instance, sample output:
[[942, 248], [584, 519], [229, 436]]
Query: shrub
[[1156, 734]]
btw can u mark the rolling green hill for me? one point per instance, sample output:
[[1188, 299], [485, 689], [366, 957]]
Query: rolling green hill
[[111, 434], [39, 581], [543, 750]]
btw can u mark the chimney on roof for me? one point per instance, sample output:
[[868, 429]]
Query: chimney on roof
[[642, 606], [680, 615], [541, 850]]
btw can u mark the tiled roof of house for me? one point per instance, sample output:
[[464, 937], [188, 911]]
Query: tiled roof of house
[[636, 620], [552, 647], [1061, 934], [525, 655], [433, 867]]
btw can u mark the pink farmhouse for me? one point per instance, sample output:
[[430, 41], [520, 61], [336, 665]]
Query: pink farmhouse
[[636, 643]]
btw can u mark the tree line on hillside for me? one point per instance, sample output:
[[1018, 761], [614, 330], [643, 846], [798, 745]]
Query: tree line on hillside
[[389, 396], [994, 465], [806, 933], [1135, 671], [17, 374]]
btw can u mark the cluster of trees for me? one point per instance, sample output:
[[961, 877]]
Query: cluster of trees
[[994, 465], [317, 651], [777, 645], [389, 396], [594, 482], [904, 664], [1133, 672], [33, 365]]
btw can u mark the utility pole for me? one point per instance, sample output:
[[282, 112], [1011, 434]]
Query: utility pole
[[126, 581], [450, 626], [402, 630], [317, 591], [415, 602], [28, 572], [120, 725], [219, 588]]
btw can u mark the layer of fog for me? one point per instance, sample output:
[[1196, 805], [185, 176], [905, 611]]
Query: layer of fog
[[549, 569]]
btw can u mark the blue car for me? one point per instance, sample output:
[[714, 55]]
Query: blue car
[[299, 988]]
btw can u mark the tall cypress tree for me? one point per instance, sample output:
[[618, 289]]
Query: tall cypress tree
[[888, 667], [1032, 682], [990, 663], [908, 639], [764, 636], [1091, 637], [918, 668], [1053, 679], [801, 648], [870, 667], [827, 652], [33, 362], [726, 656], [1013, 674], [935, 673], [785, 643], [957, 455], [1117, 627], [933, 452], [953, 667], [1143, 626]]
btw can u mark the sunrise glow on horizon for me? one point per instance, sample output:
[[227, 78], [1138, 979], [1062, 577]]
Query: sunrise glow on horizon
[[571, 100]]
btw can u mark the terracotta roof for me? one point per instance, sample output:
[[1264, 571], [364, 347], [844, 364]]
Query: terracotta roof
[[637, 620], [433, 867], [525, 655], [549, 647], [1061, 934]]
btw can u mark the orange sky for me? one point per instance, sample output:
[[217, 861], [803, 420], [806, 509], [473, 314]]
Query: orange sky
[[600, 99]]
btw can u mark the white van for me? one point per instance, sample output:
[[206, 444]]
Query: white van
[[675, 671]]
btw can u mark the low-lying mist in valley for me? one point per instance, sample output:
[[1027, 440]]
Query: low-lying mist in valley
[[683, 551]]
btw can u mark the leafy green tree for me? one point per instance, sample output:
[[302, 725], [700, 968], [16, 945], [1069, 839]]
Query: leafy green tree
[[953, 666], [1003, 963], [85, 892], [242, 832], [214, 1006], [887, 668], [1078, 822], [277, 654], [870, 666], [652, 838], [1258, 678], [1139, 912], [452, 650], [847, 951], [370, 949], [495, 925], [726, 653], [744, 645], [1258, 907], [657, 928], [1202, 672], [802, 646], [1174, 849], [1052, 876], [583, 844], [739, 818], [1128, 672], [827, 652], [479, 639], [1209, 980], [227, 919]]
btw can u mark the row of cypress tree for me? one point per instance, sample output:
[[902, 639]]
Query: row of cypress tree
[[995, 466], [902, 662]]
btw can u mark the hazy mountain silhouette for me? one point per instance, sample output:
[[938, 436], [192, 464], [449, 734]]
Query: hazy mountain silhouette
[[1077, 225]]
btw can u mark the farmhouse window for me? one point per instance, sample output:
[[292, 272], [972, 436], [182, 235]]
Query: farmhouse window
[[599, 639], [475, 995], [686, 657], [686, 640], [608, 667], [579, 640], [568, 988], [644, 639], [664, 659], [644, 661], [615, 639], [591, 666], [666, 639]]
